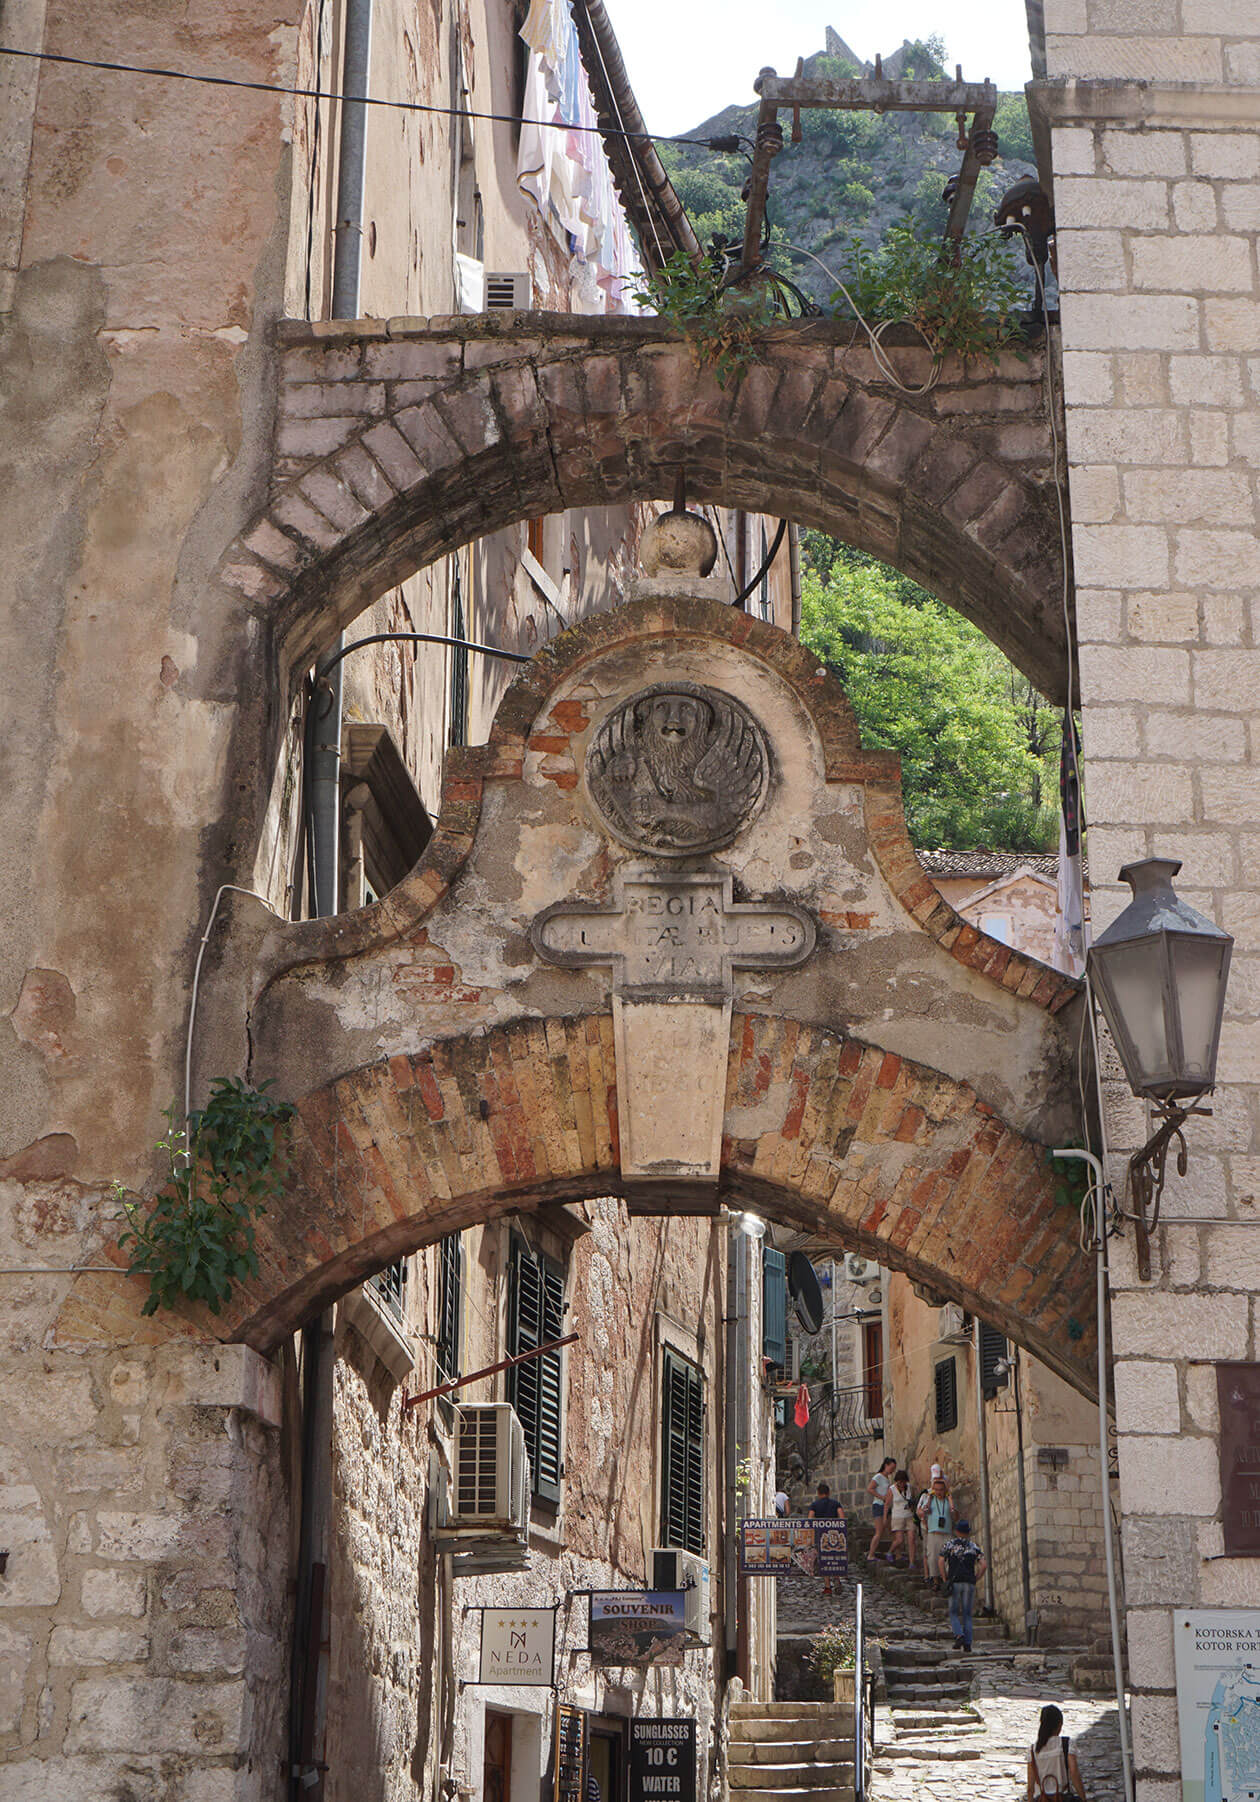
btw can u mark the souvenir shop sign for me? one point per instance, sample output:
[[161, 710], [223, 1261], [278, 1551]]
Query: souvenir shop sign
[[785, 1542], [518, 1645], [638, 1626], [662, 1761]]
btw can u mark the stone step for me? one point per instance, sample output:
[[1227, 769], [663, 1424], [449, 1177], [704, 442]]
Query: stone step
[[839, 1791], [917, 1751], [932, 1692], [789, 1751], [791, 1729], [908, 1721], [793, 1777], [784, 1711]]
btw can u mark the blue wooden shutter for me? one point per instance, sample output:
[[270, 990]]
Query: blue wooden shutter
[[774, 1306]]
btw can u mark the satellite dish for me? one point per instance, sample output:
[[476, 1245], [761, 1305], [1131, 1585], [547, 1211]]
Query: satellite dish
[[805, 1292]]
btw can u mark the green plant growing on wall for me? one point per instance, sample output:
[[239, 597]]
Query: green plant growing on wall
[[1073, 1181], [968, 307], [197, 1238], [721, 324], [831, 1650]]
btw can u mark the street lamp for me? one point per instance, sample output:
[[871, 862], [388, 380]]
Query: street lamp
[[1159, 972]]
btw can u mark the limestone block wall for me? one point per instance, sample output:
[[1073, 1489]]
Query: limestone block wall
[[1156, 191], [143, 1613]]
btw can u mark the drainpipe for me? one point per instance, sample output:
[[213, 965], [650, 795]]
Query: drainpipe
[[312, 1623], [982, 1449], [737, 1355], [794, 568], [325, 783], [1021, 1474], [1113, 1601]]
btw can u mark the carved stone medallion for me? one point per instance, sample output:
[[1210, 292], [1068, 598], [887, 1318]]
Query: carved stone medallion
[[678, 769]]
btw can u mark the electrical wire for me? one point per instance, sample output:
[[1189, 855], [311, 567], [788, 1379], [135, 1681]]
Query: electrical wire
[[875, 333], [623, 133], [404, 106], [226, 888]]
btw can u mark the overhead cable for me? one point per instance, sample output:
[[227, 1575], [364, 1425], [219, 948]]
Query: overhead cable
[[402, 106]]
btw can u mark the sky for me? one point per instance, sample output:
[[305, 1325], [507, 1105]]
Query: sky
[[687, 59]]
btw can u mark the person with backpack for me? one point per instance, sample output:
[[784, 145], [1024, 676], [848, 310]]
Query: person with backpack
[[1053, 1773], [961, 1565]]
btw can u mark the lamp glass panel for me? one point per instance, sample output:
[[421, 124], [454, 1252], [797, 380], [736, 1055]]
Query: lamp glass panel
[[1133, 982], [1196, 970]]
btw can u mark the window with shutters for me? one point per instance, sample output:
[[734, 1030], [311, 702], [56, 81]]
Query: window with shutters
[[450, 1307], [535, 1388], [993, 1349], [945, 1377], [682, 1455], [774, 1307]]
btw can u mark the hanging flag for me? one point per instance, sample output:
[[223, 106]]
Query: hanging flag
[[1069, 924], [801, 1413]]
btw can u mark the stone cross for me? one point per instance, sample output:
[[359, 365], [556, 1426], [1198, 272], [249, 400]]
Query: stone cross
[[672, 940], [675, 936]]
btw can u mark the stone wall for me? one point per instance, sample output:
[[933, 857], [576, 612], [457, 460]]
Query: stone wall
[[143, 1612], [1155, 196]]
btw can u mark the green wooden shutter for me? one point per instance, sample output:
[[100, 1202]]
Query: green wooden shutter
[[992, 1347], [682, 1455], [535, 1316], [945, 1380], [450, 1302], [774, 1307]]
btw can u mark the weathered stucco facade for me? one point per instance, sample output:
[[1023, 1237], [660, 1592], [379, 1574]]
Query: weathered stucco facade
[[171, 572]]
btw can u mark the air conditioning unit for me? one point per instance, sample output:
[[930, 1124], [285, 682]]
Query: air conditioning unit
[[675, 1569], [954, 1325], [507, 291], [489, 1492], [859, 1269]]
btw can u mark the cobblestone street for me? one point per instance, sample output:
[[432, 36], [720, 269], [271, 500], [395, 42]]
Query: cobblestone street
[[978, 1747]]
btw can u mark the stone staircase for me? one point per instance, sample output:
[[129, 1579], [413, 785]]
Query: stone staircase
[[790, 1752]]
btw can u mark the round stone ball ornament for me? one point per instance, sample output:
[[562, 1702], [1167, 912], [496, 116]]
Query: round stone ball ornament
[[678, 770]]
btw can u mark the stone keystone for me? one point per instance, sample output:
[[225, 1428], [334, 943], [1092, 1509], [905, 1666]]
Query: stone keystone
[[672, 940]]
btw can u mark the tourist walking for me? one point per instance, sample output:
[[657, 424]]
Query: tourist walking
[[825, 1507], [1053, 1773], [961, 1566], [900, 1511], [938, 1525], [878, 1489]]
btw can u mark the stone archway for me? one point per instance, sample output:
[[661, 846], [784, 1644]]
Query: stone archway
[[893, 1081], [397, 441]]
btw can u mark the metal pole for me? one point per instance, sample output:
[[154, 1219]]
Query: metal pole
[[859, 1727], [982, 1451], [539, 1351], [1113, 1604]]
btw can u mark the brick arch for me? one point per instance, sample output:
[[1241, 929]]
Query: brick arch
[[889, 1157], [398, 441]]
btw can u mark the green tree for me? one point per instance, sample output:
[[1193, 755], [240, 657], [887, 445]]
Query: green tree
[[978, 746], [1014, 131]]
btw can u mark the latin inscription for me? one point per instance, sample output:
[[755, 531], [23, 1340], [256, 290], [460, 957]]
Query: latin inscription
[[681, 934]]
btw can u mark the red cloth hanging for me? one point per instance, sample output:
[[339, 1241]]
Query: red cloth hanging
[[801, 1414]]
